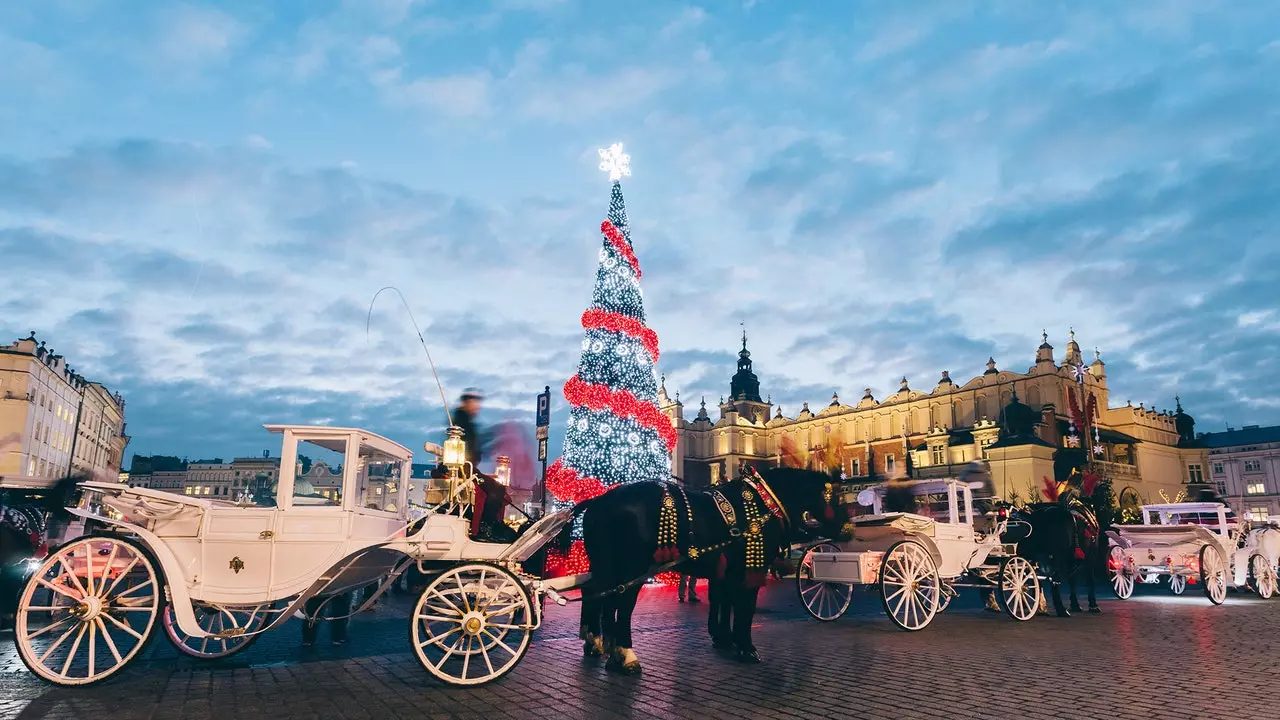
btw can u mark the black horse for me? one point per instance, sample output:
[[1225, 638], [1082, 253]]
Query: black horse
[[25, 520], [710, 533], [1063, 542]]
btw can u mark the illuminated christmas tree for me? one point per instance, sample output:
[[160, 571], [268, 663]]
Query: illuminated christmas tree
[[616, 432]]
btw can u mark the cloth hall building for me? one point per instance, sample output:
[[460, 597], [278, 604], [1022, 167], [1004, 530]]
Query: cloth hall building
[[935, 432]]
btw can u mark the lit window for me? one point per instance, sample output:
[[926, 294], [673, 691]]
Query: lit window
[[1256, 488], [1253, 466], [1259, 514], [1217, 468]]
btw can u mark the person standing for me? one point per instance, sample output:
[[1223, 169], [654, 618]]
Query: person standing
[[464, 417], [688, 587]]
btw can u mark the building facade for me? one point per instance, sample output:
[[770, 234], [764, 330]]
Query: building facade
[[54, 422], [1244, 466], [935, 432]]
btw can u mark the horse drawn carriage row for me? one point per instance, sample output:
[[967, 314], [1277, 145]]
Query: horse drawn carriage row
[[916, 561], [217, 574]]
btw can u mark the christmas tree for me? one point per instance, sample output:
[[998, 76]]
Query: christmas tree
[[616, 432]]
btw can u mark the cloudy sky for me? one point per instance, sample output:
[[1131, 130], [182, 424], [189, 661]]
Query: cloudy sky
[[199, 201]]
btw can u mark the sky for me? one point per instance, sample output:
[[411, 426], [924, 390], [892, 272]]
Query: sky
[[198, 201]]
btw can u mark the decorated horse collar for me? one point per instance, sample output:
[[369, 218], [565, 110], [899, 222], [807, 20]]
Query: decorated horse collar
[[756, 482]]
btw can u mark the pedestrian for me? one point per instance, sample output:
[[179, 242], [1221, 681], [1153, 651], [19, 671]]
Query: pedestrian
[[336, 611], [688, 586]]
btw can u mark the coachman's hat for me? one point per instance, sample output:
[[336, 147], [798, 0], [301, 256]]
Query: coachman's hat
[[471, 394]]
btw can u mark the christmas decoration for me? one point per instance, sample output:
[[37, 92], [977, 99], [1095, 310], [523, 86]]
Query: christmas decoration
[[616, 433]]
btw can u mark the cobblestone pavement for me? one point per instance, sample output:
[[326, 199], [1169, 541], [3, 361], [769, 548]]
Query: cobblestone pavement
[[1154, 656]]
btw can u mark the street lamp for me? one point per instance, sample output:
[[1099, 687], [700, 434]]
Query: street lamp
[[503, 472]]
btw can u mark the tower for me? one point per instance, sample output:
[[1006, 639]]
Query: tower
[[744, 389]]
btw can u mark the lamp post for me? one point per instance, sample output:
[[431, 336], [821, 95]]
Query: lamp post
[[503, 471]]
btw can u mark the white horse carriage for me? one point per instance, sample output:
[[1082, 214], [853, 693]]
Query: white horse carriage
[[1193, 542], [216, 574], [919, 559]]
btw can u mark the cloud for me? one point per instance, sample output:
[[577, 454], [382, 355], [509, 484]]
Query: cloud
[[894, 192], [197, 35]]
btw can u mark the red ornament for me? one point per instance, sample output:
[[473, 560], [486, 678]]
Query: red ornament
[[615, 238], [598, 318], [621, 403]]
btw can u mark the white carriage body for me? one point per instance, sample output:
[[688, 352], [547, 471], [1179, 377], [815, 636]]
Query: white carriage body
[[240, 553], [1171, 537], [950, 538]]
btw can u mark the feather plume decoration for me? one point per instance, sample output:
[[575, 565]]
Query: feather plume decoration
[[1091, 481], [1050, 490]]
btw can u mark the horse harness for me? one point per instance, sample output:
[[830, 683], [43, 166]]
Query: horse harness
[[759, 503]]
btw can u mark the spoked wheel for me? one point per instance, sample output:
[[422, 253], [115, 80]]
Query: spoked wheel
[[472, 624], [1019, 588], [88, 610], [825, 601], [217, 619], [1177, 584], [1122, 575], [910, 588], [1263, 576], [1213, 574]]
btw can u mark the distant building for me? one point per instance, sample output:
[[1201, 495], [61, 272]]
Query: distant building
[[936, 432], [54, 422], [1244, 465], [210, 478]]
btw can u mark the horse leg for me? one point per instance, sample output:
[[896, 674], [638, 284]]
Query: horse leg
[[744, 612], [1071, 587], [719, 609], [589, 630], [622, 658], [1060, 569]]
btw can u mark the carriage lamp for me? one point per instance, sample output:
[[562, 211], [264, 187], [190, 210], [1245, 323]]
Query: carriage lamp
[[455, 450], [503, 472]]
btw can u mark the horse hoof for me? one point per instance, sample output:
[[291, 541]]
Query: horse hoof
[[623, 661], [593, 648], [750, 657], [1076, 608], [720, 644], [1064, 613], [1095, 610]]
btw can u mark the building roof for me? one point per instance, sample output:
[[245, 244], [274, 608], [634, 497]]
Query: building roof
[[1248, 435]]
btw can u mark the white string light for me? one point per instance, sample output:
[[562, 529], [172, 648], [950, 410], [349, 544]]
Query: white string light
[[615, 162]]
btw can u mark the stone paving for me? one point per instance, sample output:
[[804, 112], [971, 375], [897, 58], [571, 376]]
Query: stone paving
[[1154, 656]]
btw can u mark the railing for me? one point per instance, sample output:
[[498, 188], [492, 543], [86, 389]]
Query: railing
[[1118, 470]]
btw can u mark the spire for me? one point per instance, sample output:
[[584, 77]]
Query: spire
[[1044, 353], [991, 366], [744, 385], [702, 410], [1073, 350], [902, 386]]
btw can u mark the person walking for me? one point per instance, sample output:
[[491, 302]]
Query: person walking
[[464, 417]]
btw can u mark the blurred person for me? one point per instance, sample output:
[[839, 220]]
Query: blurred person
[[464, 417], [688, 585], [336, 612]]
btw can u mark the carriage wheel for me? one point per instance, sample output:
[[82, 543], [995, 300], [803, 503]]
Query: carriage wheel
[[1019, 588], [910, 588], [88, 610], [1213, 574], [1121, 573], [213, 619], [825, 601], [472, 624], [1178, 584], [1263, 576]]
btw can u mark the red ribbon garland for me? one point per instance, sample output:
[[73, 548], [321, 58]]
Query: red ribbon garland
[[601, 319], [621, 403], [567, 485], [614, 236]]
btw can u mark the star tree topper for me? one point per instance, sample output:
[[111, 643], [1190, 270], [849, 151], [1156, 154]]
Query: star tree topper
[[615, 162]]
